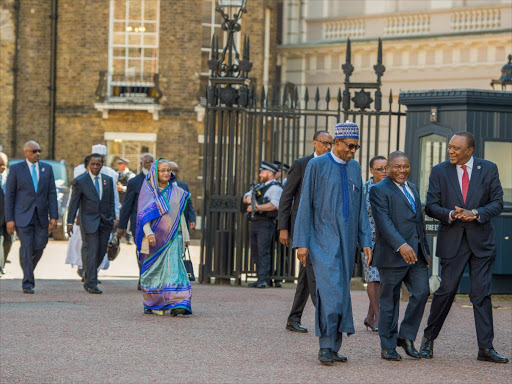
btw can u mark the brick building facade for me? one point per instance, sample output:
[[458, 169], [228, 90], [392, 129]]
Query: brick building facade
[[130, 41]]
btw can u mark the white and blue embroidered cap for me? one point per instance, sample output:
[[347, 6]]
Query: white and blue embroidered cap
[[346, 130]]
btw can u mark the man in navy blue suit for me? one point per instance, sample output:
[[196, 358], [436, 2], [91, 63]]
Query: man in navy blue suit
[[129, 208], [93, 194], [401, 254], [189, 213], [30, 197], [464, 194]]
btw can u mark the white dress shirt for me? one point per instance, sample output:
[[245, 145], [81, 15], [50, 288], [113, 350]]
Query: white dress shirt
[[460, 171], [30, 169], [99, 181]]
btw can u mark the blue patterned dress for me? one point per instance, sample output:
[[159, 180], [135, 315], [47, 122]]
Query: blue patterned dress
[[371, 274]]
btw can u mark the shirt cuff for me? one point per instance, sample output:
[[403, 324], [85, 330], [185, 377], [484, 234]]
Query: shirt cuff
[[147, 229], [398, 249], [450, 217]]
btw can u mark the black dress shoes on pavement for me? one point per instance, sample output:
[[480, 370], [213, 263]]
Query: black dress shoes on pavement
[[427, 348], [177, 311], [408, 346], [390, 354], [262, 285], [489, 354], [253, 284], [29, 290], [325, 356], [95, 290], [295, 326], [339, 358], [148, 311]]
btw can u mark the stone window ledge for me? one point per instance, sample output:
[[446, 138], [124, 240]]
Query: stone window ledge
[[104, 108]]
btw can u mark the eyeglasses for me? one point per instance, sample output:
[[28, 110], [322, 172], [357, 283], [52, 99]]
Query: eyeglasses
[[351, 146], [164, 171], [325, 143], [379, 169], [36, 151]]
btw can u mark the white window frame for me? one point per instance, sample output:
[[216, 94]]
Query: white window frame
[[126, 46]]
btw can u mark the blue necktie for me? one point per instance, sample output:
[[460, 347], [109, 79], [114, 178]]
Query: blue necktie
[[97, 185], [409, 197], [34, 177]]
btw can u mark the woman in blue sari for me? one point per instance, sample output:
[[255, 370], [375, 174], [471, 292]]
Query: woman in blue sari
[[160, 234]]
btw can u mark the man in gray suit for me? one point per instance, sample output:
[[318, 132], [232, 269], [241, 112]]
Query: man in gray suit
[[93, 193]]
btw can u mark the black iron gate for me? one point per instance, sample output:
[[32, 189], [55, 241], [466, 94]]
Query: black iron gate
[[244, 127]]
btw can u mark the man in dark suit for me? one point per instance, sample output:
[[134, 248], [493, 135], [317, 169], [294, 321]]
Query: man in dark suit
[[464, 194], [190, 215], [129, 208], [30, 197], [93, 194], [401, 254], [288, 206]]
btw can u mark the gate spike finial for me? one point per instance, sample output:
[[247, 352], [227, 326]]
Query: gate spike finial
[[338, 98], [348, 68], [317, 97], [296, 97], [328, 98], [306, 98], [262, 97], [285, 96], [379, 67], [390, 97]]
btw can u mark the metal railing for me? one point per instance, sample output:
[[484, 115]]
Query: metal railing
[[120, 88]]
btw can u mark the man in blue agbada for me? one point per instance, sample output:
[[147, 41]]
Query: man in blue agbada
[[332, 222]]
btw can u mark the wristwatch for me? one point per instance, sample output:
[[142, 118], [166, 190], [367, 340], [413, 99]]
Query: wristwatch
[[475, 212]]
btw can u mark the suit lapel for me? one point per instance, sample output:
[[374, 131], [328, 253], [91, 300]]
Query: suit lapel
[[453, 178], [42, 173], [397, 190], [105, 188], [28, 174], [476, 176]]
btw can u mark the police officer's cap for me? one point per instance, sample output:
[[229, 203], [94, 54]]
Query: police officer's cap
[[278, 164], [268, 166], [122, 161]]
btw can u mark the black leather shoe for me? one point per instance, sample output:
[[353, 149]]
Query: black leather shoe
[[253, 284], [295, 326], [29, 290], [427, 348], [390, 355], [408, 346], [489, 354], [262, 285], [148, 311], [177, 311], [86, 287], [325, 356], [95, 290], [278, 284], [339, 358]]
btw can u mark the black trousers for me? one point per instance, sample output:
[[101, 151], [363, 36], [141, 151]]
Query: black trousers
[[306, 286], [262, 236], [480, 270], [96, 249], [415, 278], [33, 239]]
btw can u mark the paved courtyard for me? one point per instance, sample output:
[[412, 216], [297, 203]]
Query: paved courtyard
[[61, 334]]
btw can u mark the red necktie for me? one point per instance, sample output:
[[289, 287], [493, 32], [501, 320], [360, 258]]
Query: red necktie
[[465, 183]]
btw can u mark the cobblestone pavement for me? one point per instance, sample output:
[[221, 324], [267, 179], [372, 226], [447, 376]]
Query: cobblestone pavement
[[61, 334]]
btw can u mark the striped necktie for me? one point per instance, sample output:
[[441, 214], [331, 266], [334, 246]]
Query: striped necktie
[[409, 197]]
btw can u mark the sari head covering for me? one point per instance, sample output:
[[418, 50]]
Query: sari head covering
[[164, 280]]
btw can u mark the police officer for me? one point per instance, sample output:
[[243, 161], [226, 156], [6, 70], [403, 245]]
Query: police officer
[[263, 212]]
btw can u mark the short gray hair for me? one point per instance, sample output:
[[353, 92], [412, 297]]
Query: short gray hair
[[30, 143], [147, 155], [173, 164], [4, 157]]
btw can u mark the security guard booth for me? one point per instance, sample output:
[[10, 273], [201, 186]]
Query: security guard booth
[[432, 118]]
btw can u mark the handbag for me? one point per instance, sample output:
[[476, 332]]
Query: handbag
[[113, 247], [188, 264]]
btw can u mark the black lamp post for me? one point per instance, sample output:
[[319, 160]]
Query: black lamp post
[[505, 81], [229, 76]]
